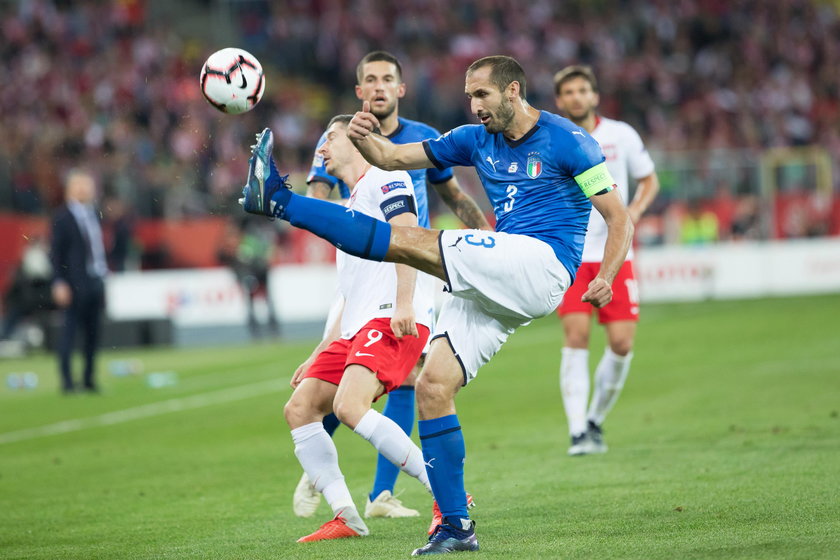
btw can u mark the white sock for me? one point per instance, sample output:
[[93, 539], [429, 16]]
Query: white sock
[[318, 456], [610, 376], [574, 385], [393, 443]]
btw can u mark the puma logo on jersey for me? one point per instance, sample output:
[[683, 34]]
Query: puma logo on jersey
[[577, 132], [492, 163], [429, 463], [456, 243]]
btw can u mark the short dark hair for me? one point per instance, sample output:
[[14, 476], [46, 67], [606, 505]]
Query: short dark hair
[[343, 119], [572, 72], [376, 56], [503, 71]]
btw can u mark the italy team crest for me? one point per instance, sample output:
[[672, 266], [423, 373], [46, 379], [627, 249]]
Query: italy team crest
[[534, 165]]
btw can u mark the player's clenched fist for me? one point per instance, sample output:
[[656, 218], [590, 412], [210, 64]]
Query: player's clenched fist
[[363, 123], [599, 293]]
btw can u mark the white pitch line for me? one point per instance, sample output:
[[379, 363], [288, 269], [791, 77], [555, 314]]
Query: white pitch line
[[149, 410]]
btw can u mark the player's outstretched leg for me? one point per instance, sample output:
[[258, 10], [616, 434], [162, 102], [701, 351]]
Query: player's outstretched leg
[[267, 193]]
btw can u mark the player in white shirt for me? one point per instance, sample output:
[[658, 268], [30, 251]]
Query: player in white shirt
[[576, 94], [369, 350]]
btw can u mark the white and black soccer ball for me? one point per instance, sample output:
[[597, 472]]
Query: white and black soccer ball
[[232, 80]]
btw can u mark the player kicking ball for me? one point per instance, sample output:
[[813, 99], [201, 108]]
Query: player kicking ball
[[542, 174], [371, 347]]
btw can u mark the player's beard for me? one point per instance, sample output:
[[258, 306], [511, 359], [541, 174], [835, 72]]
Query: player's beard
[[501, 119], [580, 116], [386, 112]]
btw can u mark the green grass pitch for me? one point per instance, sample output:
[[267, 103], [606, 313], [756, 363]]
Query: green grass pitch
[[725, 444]]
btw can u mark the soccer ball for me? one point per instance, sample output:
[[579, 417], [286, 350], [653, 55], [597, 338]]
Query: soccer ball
[[232, 80]]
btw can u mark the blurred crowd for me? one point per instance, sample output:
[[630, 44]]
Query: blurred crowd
[[688, 74], [105, 85]]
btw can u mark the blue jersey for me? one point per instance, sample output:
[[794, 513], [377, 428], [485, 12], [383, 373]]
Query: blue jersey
[[531, 182], [407, 131]]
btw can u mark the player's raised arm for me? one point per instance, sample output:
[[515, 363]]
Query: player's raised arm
[[318, 189], [380, 151], [619, 237]]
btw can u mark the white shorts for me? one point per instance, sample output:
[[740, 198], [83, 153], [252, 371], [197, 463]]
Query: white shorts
[[499, 281]]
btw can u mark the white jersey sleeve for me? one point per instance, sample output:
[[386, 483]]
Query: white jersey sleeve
[[370, 288]]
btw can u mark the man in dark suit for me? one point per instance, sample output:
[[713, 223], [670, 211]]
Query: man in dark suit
[[79, 269]]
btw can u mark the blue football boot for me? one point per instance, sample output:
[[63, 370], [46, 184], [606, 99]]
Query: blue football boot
[[264, 181], [447, 538]]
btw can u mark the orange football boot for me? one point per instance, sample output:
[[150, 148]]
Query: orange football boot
[[334, 529]]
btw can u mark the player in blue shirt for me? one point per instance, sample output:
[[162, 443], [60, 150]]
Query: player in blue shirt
[[379, 82], [379, 77], [543, 174]]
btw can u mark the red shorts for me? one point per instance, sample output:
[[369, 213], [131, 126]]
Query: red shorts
[[625, 302], [377, 348]]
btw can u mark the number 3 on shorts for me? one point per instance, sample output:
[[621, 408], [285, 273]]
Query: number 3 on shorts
[[374, 336], [486, 241]]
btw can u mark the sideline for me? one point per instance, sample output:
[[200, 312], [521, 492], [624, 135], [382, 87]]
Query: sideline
[[201, 400]]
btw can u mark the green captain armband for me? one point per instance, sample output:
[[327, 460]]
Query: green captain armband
[[595, 179]]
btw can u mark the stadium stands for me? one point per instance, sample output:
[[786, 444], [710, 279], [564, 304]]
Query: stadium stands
[[117, 89]]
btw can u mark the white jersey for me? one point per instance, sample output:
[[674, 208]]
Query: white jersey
[[627, 159], [369, 288]]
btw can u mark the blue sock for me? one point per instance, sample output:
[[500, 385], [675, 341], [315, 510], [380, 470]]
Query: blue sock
[[444, 453], [400, 409], [331, 422], [353, 232]]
